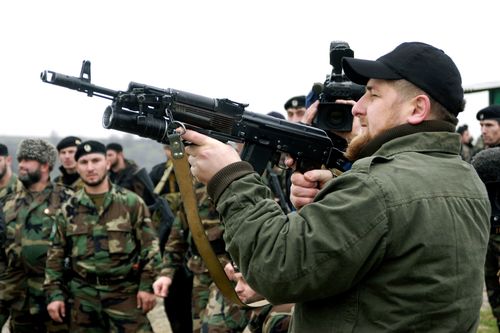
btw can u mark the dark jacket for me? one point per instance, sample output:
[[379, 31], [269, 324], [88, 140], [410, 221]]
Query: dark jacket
[[396, 244]]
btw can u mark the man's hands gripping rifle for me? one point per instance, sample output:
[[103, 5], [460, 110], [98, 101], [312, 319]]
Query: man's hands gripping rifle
[[156, 113]]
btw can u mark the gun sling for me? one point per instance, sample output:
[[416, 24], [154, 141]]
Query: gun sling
[[185, 182]]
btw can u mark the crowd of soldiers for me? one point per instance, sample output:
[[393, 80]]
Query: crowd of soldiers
[[88, 250], [80, 252]]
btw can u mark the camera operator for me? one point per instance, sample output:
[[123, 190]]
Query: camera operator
[[398, 242]]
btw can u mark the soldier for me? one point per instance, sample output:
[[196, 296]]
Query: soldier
[[265, 317], [466, 147], [295, 108], [163, 177], [66, 149], [489, 119], [122, 170], [107, 233], [178, 303], [180, 247], [9, 182], [29, 216]]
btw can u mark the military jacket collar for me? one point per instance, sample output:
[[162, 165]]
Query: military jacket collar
[[382, 144]]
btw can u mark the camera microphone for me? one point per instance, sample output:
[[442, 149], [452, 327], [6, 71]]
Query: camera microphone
[[317, 88]]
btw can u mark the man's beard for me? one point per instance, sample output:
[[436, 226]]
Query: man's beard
[[30, 178], [94, 183], [356, 145]]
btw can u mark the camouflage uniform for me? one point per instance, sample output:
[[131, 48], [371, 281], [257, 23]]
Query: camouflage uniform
[[180, 247], [14, 185], [29, 219], [222, 315], [178, 303], [113, 251], [72, 180], [270, 319]]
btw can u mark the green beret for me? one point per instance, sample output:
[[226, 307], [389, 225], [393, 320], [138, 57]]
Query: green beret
[[489, 112], [89, 147]]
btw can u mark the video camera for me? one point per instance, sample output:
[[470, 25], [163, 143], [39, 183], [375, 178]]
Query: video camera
[[332, 116]]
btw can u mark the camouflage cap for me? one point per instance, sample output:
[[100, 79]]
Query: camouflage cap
[[38, 150], [89, 147]]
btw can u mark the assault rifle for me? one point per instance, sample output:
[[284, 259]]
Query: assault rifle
[[155, 113]]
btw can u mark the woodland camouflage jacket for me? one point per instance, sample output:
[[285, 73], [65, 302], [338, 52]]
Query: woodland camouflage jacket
[[118, 241]]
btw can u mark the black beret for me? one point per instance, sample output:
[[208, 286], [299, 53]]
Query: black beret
[[489, 112], [296, 102], [276, 114], [4, 151], [68, 141], [114, 146], [89, 147]]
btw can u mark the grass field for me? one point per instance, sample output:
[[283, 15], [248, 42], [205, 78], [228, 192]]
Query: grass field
[[488, 322]]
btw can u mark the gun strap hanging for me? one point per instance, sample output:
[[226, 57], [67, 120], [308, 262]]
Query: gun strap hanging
[[163, 179], [185, 182]]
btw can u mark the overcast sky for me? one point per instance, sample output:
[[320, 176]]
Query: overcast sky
[[255, 52]]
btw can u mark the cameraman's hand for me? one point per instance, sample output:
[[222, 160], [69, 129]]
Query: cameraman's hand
[[208, 156], [306, 186], [310, 113]]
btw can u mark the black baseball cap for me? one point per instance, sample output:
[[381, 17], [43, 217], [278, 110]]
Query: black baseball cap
[[424, 65]]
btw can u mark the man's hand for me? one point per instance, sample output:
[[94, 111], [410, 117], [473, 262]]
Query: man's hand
[[146, 301], [161, 286], [208, 156], [57, 311], [305, 186], [310, 113]]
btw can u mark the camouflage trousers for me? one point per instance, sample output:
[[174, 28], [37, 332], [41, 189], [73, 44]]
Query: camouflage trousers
[[491, 270], [201, 284], [22, 321], [97, 310]]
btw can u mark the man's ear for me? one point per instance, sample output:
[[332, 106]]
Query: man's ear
[[45, 167], [421, 109]]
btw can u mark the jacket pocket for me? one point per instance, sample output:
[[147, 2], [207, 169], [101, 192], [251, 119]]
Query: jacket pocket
[[120, 238], [78, 238]]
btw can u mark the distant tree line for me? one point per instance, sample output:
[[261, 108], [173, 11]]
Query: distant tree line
[[145, 152]]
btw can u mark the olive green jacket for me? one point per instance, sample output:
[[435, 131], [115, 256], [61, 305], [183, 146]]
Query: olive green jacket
[[396, 244]]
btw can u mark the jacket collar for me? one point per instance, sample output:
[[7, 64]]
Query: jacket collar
[[445, 128]]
